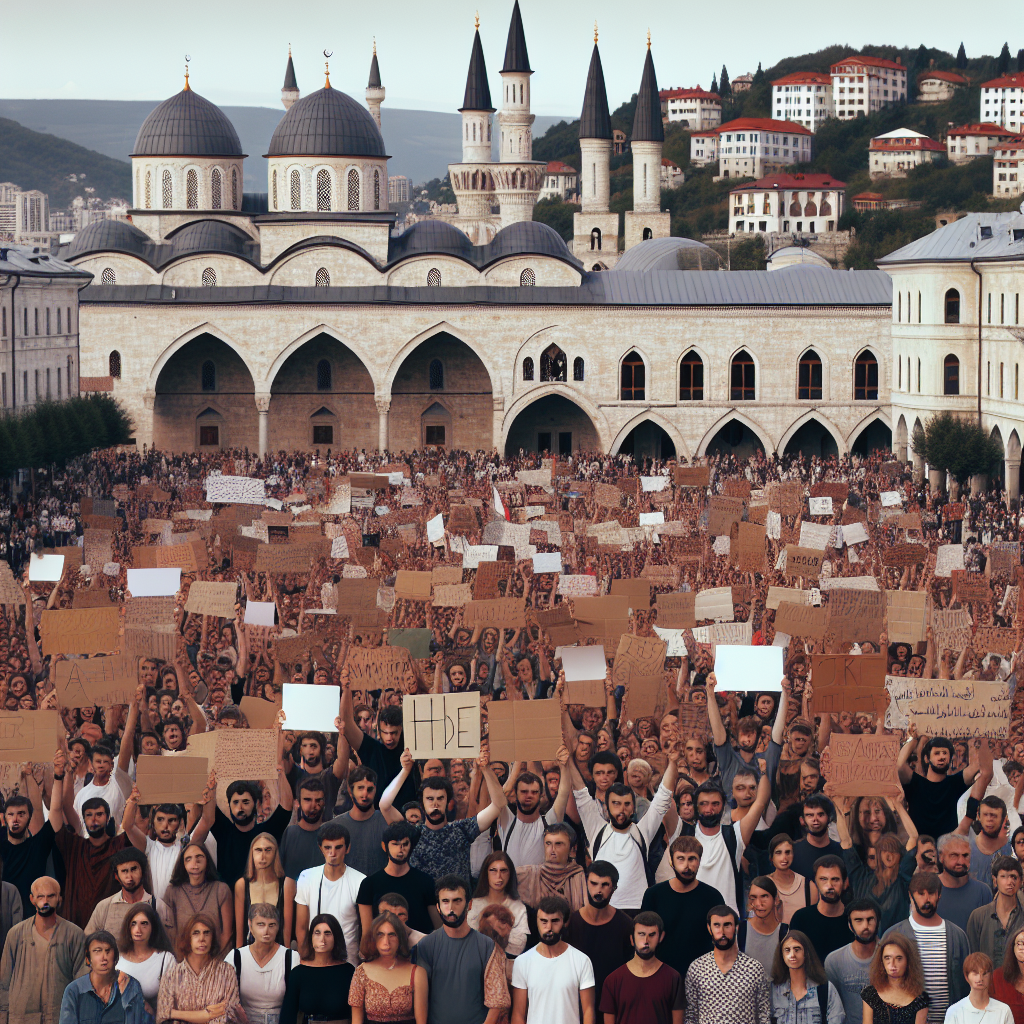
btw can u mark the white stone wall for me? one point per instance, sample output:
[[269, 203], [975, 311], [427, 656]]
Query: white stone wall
[[584, 243], [646, 176], [476, 136], [179, 168], [338, 170]]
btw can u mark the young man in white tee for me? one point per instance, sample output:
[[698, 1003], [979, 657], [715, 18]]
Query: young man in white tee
[[521, 828], [162, 852]]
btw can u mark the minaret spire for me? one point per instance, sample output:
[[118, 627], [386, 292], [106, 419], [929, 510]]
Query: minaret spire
[[290, 89]]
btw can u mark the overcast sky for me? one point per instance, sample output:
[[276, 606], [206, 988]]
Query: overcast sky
[[135, 51]]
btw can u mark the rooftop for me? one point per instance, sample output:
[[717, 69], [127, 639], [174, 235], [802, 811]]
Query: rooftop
[[976, 236], [944, 76], [29, 261], [557, 167], [804, 78], [798, 182], [696, 93], [873, 62], [983, 128], [764, 124], [1014, 81], [904, 138]]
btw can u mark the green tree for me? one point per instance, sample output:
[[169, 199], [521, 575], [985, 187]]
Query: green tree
[[1020, 60], [556, 214], [961, 57], [759, 76], [1003, 64], [957, 446], [714, 85], [724, 85]]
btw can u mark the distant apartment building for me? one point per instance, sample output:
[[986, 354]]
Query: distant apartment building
[[671, 175], [787, 204], [1002, 101], [33, 213], [804, 98], [876, 201], [863, 85], [398, 189], [895, 153], [749, 147], [618, 141], [694, 109], [560, 180], [742, 83], [1007, 166], [939, 86], [970, 141]]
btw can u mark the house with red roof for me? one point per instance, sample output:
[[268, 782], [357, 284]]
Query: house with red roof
[[969, 141], [893, 154], [1002, 101], [559, 180], [864, 85], [938, 86], [749, 147], [695, 109], [1008, 167], [798, 204], [804, 97]]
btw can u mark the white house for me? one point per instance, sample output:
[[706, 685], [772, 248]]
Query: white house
[[896, 152], [1002, 101], [863, 85], [559, 180], [803, 98], [939, 86], [973, 140], [749, 147], [1007, 167], [671, 174], [787, 204], [692, 108]]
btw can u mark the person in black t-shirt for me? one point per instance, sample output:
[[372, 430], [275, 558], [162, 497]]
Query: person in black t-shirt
[[818, 812], [932, 797], [824, 923], [398, 876]]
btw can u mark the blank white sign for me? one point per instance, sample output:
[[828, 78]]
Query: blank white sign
[[748, 668], [259, 613], [46, 568], [154, 582], [310, 707], [582, 664]]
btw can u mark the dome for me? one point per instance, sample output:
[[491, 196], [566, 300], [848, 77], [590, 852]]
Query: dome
[[327, 123], [108, 235], [795, 255], [529, 236], [433, 236], [668, 254], [209, 236], [187, 125]]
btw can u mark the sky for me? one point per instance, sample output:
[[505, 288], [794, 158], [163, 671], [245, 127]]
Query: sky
[[239, 50]]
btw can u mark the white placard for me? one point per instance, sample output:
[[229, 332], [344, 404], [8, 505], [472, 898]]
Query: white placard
[[435, 528], [203, 514], [474, 554], [722, 544], [675, 640], [239, 490], [339, 546], [45, 568], [259, 613], [582, 664], [111, 568], [395, 479], [715, 603], [310, 707], [652, 518], [442, 724], [781, 639], [855, 533], [547, 561], [748, 668], [274, 503], [815, 535], [154, 582], [820, 506], [774, 525], [890, 498], [948, 558], [654, 483]]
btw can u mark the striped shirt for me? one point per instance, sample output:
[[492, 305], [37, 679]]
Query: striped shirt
[[931, 943], [182, 989]]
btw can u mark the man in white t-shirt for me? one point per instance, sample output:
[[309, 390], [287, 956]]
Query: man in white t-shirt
[[330, 889], [553, 981], [110, 783], [521, 829], [162, 852]]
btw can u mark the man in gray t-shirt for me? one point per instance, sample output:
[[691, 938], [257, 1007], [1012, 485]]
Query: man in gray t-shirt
[[848, 967], [365, 823]]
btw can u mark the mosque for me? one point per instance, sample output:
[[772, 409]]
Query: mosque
[[300, 318]]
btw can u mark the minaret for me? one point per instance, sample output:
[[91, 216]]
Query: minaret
[[290, 89], [595, 230], [374, 90], [646, 219]]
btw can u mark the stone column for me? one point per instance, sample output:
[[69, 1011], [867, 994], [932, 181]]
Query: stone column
[[144, 430], [936, 478], [918, 465], [1011, 469], [498, 418], [263, 408], [383, 409]]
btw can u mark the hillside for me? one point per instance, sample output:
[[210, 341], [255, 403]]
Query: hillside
[[35, 160]]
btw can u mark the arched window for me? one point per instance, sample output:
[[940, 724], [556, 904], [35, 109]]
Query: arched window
[[167, 189], [952, 307], [149, 190], [217, 191], [209, 376], [865, 378], [742, 378], [634, 378], [273, 180], [114, 364], [691, 378], [323, 189], [595, 238], [951, 374], [809, 382], [436, 374], [353, 189], [553, 364], [376, 190], [209, 278], [323, 375], [108, 276], [296, 190], [192, 190], [578, 369], [323, 278], [433, 278], [528, 368], [647, 231], [527, 279], [234, 188]]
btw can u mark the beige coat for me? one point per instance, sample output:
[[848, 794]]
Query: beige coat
[[19, 976]]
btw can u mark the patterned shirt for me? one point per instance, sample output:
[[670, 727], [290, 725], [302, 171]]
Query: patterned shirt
[[740, 996], [182, 989], [445, 850]]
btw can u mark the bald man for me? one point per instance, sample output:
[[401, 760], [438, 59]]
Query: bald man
[[42, 956]]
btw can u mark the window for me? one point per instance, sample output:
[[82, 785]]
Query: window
[[209, 376], [149, 190], [323, 189], [1000, 380], [323, 433], [952, 306], [323, 375], [595, 238], [648, 234], [35, 317], [809, 383], [436, 374], [36, 375], [528, 368], [434, 434], [578, 369], [919, 376], [192, 190], [1016, 381], [209, 436], [47, 321], [951, 376], [899, 308], [296, 189], [323, 278], [234, 188], [376, 190], [634, 375], [918, 307], [433, 278], [990, 307], [59, 386], [167, 190], [691, 378], [527, 279], [216, 191], [209, 278], [59, 331], [553, 364], [108, 276], [24, 384], [353, 189], [114, 364], [742, 378], [47, 383]]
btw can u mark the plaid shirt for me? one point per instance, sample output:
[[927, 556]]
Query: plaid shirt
[[740, 996]]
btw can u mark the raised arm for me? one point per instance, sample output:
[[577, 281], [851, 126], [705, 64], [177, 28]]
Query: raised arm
[[124, 755], [209, 803], [903, 769], [60, 767], [756, 809], [129, 821], [561, 800], [353, 733], [494, 791], [718, 730], [387, 798]]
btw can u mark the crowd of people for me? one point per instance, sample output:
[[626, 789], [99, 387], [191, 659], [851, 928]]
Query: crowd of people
[[680, 866]]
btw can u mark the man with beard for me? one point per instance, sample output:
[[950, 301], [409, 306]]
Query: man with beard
[[364, 822], [398, 876], [162, 851], [598, 929], [299, 850], [109, 783], [644, 990], [559, 875], [989, 927], [991, 841], [825, 922], [961, 894], [311, 766], [552, 982], [466, 969], [849, 967], [943, 945], [748, 733], [521, 832], [818, 812], [932, 797], [130, 873], [726, 986], [42, 956]]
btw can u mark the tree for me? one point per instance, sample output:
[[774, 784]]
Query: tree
[[556, 214], [1003, 64], [961, 57], [759, 76], [957, 446], [1020, 60], [714, 85], [724, 85]]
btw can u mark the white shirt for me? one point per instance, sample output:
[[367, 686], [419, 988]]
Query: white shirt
[[161, 863], [323, 896], [526, 846], [964, 1013], [261, 989], [149, 973], [715, 868], [115, 792], [553, 984]]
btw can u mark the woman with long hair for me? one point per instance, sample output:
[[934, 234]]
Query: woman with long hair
[[195, 888], [795, 890], [895, 993], [319, 986], [200, 988], [498, 885], [799, 985], [261, 882], [145, 952], [1008, 980], [870, 818], [387, 986]]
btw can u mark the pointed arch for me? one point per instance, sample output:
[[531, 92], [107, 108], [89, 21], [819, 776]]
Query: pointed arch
[[810, 376], [183, 339], [873, 428], [682, 448], [634, 375], [813, 416], [354, 346], [760, 432], [442, 327], [1013, 447], [529, 398]]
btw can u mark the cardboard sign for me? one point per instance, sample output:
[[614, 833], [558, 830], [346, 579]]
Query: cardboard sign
[[639, 667], [442, 725], [291, 558], [855, 533], [947, 558], [849, 682], [815, 535], [585, 672], [489, 576], [503, 612], [723, 511], [804, 562], [259, 713], [785, 497], [445, 575], [412, 586], [715, 604], [10, 591], [971, 586], [249, 754], [837, 490], [748, 547], [524, 730], [693, 712], [163, 781], [159, 642], [736, 487], [861, 766], [91, 599], [242, 490], [89, 682], [901, 555], [377, 668], [952, 628], [677, 611], [29, 736], [577, 586], [692, 476], [800, 620], [983, 711], [452, 595], [357, 598], [637, 590], [906, 614], [216, 599], [88, 631], [474, 554], [98, 549], [310, 707], [776, 595], [995, 640], [902, 691], [742, 668], [415, 641]]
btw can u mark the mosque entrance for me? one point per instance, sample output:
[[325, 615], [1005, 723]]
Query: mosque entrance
[[552, 423], [648, 440], [813, 438], [735, 438], [876, 436]]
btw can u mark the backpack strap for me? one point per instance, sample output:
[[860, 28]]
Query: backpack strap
[[508, 834], [287, 964], [641, 843], [729, 838], [238, 965], [823, 1002]]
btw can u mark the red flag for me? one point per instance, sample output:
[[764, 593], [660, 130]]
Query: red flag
[[498, 506]]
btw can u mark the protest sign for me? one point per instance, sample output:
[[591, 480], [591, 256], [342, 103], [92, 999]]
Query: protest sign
[[639, 667], [260, 613], [474, 554], [906, 614], [861, 766], [415, 641], [714, 604], [692, 476], [994, 639], [849, 682], [677, 611], [92, 599], [738, 633], [242, 490], [216, 599], [524, 730], [98, 547], [310, 707], [452, 595], [92, 682], [901, 555], [736, 487], [156, 641], [890, 499], [442, 724], [971, 586], [723, 511], [356, 597], [637, 590], [749, 547], [154, 582], [10, 591], [854, 533], [85, 631], [577, 586], [800, 620], [776, 595], [165, 782], [802, 561], [45, 568], [550, 561], [693, 712], [785, 497], [979, 709], [952, 628], [947, 558], [504, 612], [377, 668], [585, 672], [28, 736], [445, 575], [260, 713], [742, 668], [489, 576], [412, 586]]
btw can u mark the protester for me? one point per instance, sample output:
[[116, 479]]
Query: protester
[[498, 884], [200, 981], [387, 986], [644, 990], [849, 967], [825, 922], [365, 823], [263, 966], [961, 894], [799, 984], [131, 870], [978, 1003], [896, 992], [559, 875], [146, 952], [105, 992], [764, 930], [1008, 980], [195, 889], [262, 882], [319, 985], [398, 876], [988, 927]]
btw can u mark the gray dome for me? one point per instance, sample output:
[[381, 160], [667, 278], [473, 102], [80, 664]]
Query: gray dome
[[668, 254], [209, 236], [187, 125], [529, 236], [327, 123], [434, 236], [108, 235]]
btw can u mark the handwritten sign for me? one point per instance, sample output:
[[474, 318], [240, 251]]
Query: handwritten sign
[[452, 595], [971, 586], [901, 555], [714, 604], [844, 682], [906, 614], [776, 595], [820, 506], [800, 620], [524, 730], [984, 711], [242, 490], [861, 766], [442, 724], [216, 599], [692, 476], [84, 631], [639, 667], [802, 561], [677, 611], [377, 668], [259, 713], [577, 586], [504, 612], [994, 639], [88, 682], [29, 736], [947, 558]]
